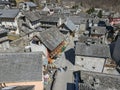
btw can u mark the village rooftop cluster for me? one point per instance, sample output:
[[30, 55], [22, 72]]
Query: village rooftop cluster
[[58, 47]]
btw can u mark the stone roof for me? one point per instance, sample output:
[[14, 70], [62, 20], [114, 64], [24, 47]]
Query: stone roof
[[54, 19], [70, 25], [31, 4], [20, 67], [92, 50], [100, 81], [26, 30], [8, 13], [98, 30], [77, 19], [4, 2], [84, 39], [32, 15], [51, 38]]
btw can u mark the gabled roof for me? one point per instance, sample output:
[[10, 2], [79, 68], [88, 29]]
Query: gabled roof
[[57, 9], [77, 19], [83, 15], [4, 2], [20, 67], [31, 4], [49, 19], [8, 13], [51, 38], [104, 81], [32, 15], [60, 15], [70, 25], [44, 13], [46, 9], [26, 29], [84, 39], [98, 30], [92, 50]]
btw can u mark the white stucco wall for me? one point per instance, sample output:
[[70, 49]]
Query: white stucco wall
[[90, 24], [90, 63], [95, 24], [36, 25], [60, 21], [13, 23], [77, 27], [9, 23]]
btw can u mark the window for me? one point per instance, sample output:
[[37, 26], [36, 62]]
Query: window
[[93, 67], [82, 65], [82, 59], [94, 30]]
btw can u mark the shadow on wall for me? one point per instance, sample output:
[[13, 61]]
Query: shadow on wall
[[112, 46], [70, 55], [70, 86], [102, 23]]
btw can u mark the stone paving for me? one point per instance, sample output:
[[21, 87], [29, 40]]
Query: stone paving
[[65, 59]]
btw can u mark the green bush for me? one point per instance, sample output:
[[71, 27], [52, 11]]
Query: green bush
[[91, 10], [99, 14]]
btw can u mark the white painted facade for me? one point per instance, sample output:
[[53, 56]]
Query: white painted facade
[[90, 24], [12, 23], [90, 63], [77, 27], [60, 22], [77, 31], [95, 24], [46, 9], [9, 23]]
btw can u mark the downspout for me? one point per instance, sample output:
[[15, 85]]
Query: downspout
[[76, 81]]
